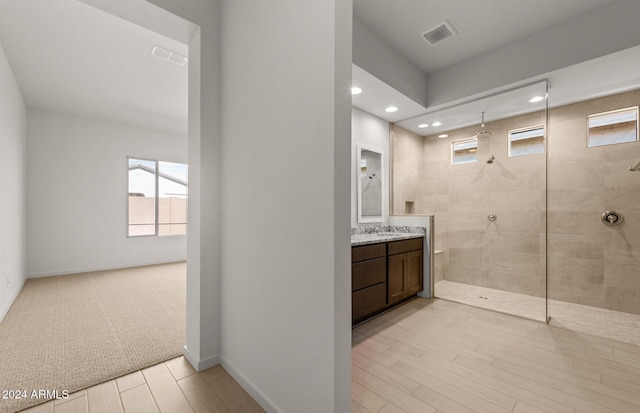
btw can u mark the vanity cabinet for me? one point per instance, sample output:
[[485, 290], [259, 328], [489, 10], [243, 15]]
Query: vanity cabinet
[[383, 275]]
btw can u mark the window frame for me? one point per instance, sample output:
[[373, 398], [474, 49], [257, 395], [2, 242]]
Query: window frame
[[609, 112], [157, 199], [453, 151], [526, 128]]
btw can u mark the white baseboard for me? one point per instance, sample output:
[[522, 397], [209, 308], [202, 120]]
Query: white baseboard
[[105, 268], [267, 404], [4, 310], [200, 365]]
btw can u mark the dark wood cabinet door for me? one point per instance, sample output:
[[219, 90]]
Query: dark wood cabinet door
[[413, 272], [396, 278]]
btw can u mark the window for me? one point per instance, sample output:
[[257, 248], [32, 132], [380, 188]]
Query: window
[[526, 141], [610, 128], [464, 151], [157, 198]]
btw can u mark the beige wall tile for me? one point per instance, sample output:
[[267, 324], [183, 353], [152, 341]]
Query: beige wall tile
[[577, 246], [623, 299], [578, 199], [518, 283], [617, 173], [622, 274], [583, 175], [514, 242], [576, 222], [466, 257], [623, 198], [438, 266], [577, 292], [514, 262], [464, 275], [583, 270], [435, 203], [518, 221], [624, 151], [518, 201]]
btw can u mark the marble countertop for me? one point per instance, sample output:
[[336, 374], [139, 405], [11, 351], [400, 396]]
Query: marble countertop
[[376, 237]]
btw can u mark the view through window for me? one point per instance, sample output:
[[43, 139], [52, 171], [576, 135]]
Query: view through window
[[157, 198]]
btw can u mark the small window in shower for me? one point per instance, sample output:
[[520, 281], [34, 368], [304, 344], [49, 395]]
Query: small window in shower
[[464, 151], [526, 141], [613, 127]]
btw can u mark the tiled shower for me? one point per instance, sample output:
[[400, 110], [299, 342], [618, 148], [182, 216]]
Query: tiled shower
[[557, 196]]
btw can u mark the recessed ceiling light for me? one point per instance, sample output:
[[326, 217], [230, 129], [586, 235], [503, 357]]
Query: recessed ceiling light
[[436, 123], [423, 125], [444, 135], [391, 109], [165, 54], [536, 99], [356, 90]]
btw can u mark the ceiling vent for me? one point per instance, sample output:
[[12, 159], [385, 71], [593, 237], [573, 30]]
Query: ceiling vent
[[440, 33], [165, 54]]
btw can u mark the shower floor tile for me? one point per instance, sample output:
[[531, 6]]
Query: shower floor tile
[[611, 324]]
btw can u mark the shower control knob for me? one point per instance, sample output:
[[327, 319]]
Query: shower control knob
[[492, 217], [612, 218]]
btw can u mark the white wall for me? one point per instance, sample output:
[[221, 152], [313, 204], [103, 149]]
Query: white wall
[[77, 194], [372, 131], [285, 223], [13, 140]]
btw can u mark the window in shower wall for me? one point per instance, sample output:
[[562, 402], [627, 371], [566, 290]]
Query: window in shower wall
[[526, 141], [464, 151], [613, 127]]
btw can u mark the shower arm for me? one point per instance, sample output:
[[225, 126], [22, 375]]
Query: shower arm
[[635, 166]]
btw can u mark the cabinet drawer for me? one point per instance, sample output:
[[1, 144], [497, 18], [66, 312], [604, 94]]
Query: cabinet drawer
[[368, 273], [368, 301], [368, 252], [405, 245]]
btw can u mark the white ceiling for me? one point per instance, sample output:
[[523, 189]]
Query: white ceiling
[[481, 25], [73, 58]]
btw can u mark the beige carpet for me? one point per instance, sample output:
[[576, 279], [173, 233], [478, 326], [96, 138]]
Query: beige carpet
[[70, 332]]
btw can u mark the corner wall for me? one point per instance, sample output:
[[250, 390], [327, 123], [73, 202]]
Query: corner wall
[[13, 140], [77, 194]]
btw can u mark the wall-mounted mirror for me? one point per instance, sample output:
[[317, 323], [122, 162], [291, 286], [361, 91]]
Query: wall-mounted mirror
[[370, 184]]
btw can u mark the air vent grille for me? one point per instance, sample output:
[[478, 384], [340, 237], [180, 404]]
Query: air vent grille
[[440, 33], [165, 54]]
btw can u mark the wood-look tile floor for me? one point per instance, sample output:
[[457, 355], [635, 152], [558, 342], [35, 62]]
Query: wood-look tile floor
[[173, 386], [427, 356], [432, 356]]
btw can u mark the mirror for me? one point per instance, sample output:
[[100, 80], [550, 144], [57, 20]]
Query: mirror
[[370, 184]]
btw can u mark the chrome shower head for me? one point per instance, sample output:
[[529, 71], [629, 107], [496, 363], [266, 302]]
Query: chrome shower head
[[482, 130]]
